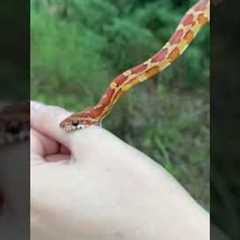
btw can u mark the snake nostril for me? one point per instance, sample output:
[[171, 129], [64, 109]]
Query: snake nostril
[[62, 124]]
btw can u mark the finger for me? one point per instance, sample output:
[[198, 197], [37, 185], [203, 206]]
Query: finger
[[46, 119], [42, 145], [64, 150], [58, 158], [44, 149]]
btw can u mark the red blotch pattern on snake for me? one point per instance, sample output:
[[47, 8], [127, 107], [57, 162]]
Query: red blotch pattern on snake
[[193, 21]]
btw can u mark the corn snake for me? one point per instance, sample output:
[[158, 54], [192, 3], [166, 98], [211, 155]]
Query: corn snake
[[192, 22]]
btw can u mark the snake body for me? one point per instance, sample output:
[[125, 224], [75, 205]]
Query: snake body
[[192, 22]]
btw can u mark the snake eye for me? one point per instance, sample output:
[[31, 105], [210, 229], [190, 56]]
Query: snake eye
[[75, 123]]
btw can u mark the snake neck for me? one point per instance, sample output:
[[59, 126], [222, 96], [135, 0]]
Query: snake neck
[[192, 22]]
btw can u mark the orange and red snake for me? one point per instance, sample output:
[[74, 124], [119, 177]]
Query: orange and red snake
[[14, 119], [192, 22]]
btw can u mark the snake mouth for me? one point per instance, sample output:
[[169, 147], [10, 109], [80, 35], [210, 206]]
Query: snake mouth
[[75, 122], [71, 128]]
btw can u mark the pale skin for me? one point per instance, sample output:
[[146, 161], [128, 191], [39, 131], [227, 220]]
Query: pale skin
[[90, 185], [97, 187]]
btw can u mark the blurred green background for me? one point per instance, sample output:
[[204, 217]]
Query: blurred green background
[[79, 46]]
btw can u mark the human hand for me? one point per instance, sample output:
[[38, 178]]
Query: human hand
[[90, 185]]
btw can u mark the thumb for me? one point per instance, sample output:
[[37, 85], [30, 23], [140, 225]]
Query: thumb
[[45, 119]]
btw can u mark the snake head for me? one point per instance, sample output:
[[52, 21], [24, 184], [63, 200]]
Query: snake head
[[71, 124], [78, 121]]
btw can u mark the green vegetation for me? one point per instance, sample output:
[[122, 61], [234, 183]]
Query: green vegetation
[[79, 46]]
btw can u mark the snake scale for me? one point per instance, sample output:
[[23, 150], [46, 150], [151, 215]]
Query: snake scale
[[14, 118], [192, 22]]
